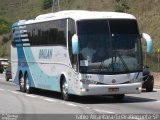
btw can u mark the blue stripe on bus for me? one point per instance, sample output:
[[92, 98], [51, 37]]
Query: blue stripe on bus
[[26, 44], [18, 40], [16, 36], [40, 78], [19, 45], [23, 66], [16, 32]]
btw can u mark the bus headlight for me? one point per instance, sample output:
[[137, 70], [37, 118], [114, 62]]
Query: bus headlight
[[84, 90]]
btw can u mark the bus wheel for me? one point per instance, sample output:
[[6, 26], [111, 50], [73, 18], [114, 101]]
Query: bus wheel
[[150, 84], [119, 97], [21, 83], [64, 90], [27, 86]]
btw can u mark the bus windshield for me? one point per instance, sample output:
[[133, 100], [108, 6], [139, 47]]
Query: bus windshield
[[109, 46]]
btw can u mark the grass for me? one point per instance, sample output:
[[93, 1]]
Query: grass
[[5, 50]]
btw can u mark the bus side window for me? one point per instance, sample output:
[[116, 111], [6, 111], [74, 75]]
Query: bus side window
[[71, 32]]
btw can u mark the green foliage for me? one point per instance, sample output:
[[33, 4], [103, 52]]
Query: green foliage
[[47, 4], [5, 38], [4, 26], [5, 50], [121, 6]]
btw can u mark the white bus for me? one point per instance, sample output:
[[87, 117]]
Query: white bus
[[50, 52]]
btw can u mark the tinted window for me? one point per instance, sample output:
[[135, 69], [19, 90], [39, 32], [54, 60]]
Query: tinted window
[[47, 33], [123, 26]]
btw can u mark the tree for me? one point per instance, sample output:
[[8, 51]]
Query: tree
[[121, 6], [4, 26], [47, 4]]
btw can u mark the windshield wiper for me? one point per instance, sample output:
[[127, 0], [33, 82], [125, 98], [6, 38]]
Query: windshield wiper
[[101, 66], [122, 60]]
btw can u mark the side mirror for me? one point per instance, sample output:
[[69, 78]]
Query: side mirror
[[75, 48], [148, 41]]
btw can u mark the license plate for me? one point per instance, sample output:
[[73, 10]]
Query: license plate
[[113, 90]]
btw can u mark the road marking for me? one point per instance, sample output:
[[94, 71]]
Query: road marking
[[154, 101], [14, 92], [70, 104], [33, 96], [104, 111], [50, 100], [156, 89], [1, 89], [88, 108]]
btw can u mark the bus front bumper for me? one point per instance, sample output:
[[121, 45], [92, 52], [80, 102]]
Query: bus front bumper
[[132, 88]]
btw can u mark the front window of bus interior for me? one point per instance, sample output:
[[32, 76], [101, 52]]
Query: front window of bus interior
[[109, 46]]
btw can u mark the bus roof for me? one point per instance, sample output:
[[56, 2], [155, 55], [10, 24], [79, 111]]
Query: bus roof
[[80, 15]]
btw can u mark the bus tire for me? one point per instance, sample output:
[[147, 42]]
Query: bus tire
[[21, 83], [64, 90], [27, 86], [150, 84], [119, 97], [7, 79]]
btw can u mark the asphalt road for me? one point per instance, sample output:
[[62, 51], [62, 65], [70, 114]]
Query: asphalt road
[[12, 101]]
